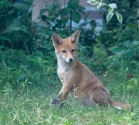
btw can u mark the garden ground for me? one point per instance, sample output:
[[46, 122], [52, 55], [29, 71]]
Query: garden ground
[[31, 106]]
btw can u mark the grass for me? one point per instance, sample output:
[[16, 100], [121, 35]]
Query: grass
[[31, 106]]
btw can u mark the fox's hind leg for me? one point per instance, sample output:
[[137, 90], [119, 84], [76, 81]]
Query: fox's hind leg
[[100, 95], [87, 102]]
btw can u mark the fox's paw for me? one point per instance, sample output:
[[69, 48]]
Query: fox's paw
[[55, 101]]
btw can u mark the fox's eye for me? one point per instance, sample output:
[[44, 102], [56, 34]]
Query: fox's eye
[[72, 50], [63, 51]]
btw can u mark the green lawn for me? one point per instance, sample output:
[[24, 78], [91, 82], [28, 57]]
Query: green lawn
[[31, 106]]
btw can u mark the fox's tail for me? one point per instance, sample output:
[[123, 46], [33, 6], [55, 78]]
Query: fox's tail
[[121, 106]]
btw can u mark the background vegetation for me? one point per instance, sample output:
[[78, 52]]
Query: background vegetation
[[28, 79]]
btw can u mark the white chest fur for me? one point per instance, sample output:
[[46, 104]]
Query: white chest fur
[[63, 70]]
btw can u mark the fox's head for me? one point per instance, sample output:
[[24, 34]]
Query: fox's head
[[66, 48]]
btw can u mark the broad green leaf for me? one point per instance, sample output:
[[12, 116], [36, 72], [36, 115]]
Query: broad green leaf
[[135, 42], [4, 4], [20, 6], [23, 28], [109, 16], [104, 4], [76, 17], [113, 5], [6, 32], [42, 11], [92, 2], [110, 10], [130, 53], [16, 26], [117, 50], [80, 8], [5, 38], [73, 3], [119, 17], [66, 11], [99, 5]]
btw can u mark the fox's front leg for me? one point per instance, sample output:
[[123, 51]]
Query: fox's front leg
[[63, 94]]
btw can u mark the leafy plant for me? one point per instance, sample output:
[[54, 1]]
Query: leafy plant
[[61, 18], [26, 70], [120, 40], [112, 9], [27, 53], [132, 85], [16, 29]]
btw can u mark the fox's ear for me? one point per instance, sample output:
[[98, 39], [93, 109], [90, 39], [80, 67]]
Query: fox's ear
[[75, 37], [57, 40]]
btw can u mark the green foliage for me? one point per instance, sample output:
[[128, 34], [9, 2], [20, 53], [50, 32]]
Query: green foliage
[[67, 14], [4, 3], [128, 50], [15, 31], [29, 45], [121, 40], [26, 71], [112, 9], [133, 85], [27, 54], [119, 17], [109, 16]]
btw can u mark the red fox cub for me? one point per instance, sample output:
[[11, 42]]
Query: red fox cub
[[76, 77]]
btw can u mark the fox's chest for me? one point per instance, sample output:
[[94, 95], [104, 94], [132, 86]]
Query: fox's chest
[[64, 73]]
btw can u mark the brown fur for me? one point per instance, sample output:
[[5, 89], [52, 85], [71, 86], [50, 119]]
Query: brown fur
[[78, 78]]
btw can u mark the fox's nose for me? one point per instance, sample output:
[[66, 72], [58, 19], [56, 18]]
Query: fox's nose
[[70, 59]]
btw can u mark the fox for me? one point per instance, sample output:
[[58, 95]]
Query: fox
[[78, 78]]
